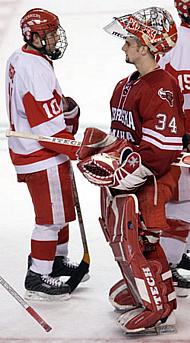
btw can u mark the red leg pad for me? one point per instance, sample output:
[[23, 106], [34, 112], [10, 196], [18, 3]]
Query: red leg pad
[[120, 297], [145, 269]]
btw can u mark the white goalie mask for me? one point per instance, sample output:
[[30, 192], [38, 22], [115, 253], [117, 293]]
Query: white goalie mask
[[153, 26]]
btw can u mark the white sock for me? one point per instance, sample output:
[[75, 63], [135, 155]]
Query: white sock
[[62, 249], [173, 249], [41, 267]]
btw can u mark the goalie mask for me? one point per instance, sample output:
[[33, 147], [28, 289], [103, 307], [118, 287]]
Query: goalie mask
[[153, 26], [183, 8], [46, 25]]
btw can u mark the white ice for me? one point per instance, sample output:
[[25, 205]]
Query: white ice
[[92, 65]]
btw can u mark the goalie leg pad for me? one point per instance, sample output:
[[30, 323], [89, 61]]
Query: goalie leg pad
[[146, 273], [105, 198], [121, 298], [127, 321]]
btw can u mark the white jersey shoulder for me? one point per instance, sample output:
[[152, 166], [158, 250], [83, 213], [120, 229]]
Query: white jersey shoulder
[[177, 62], [34, 73], [31, 86]]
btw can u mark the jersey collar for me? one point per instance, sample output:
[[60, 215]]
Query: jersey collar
[[35, 52]]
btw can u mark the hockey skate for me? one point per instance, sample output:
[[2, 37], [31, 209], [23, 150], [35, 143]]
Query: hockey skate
[[181, 284], [132, 318], [44, 287], [185, 262], [184, 266], [63, 267]]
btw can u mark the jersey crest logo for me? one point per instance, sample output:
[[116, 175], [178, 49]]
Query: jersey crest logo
[[166, 95]]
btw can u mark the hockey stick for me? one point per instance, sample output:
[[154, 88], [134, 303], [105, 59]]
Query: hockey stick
[[28, 135], [83, 267], [24, 304]]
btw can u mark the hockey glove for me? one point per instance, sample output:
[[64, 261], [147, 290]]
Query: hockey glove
[[96, 141], [186, 142], [99, 169], [131, 174], [71, 114], [105, 169], [69, 150]]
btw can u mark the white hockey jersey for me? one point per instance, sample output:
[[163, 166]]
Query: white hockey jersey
[[34, 104], [177, 63]]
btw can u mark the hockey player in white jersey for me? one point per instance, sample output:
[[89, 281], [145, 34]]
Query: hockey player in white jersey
[[35, 104], [177, 63]]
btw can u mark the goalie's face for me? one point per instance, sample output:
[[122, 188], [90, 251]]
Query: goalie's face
[[132, 50]]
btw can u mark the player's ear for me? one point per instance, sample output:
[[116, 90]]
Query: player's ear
[[144, 50], [36, 40]]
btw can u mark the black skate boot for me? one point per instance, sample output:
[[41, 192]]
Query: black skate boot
[[184, 263], [181, 284], [45, 287], [63, 267]]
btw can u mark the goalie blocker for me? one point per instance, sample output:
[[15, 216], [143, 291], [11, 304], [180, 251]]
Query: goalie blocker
[[146, 293]]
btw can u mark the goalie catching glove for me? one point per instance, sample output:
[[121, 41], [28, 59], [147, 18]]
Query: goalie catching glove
[[116, 165]]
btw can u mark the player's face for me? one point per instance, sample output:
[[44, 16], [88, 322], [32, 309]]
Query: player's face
[[131, 50], [52, 38]]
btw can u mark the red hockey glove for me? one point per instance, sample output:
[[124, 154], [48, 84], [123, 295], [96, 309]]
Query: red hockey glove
[[99, 169], [106, 170], [186, 142], [68, 150], [131, 174], [96, 141], [71, 114]]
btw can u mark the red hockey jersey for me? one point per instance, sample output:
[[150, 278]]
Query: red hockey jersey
[[147, 111]]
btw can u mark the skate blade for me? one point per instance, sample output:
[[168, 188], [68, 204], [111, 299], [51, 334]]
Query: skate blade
[[85, 278], [154, 331], [39, 296]]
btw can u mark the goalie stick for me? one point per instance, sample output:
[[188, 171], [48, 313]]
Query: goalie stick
[[28, 135], [83, 267], [24, 304]]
